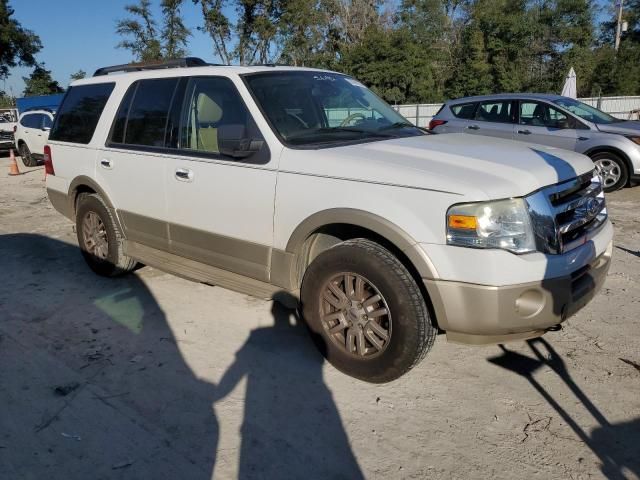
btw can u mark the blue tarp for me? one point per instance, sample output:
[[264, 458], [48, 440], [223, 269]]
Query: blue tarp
[[52, 102]]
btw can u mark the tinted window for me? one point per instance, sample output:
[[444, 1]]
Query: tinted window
[[46, 121], [210, 104], [117, 131], [495, 111], [33, 120], [464, 110], [147, 119], [539, 114], [79, 113]]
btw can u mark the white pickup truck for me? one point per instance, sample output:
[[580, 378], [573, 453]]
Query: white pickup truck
[[8, 122], [301, 184]]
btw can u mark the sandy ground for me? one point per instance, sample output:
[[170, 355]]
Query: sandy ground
[[152, 377]]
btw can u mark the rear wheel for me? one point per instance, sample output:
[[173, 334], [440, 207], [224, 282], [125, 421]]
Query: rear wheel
[[366, 312], [612, 170], [27, 158], [100, 238]]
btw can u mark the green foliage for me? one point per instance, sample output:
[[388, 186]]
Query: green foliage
[[18, 46], [79, 75], [143, 38], [6, 101], [40, 82]]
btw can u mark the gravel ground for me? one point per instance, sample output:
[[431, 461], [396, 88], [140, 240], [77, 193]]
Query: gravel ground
[[151, 376]]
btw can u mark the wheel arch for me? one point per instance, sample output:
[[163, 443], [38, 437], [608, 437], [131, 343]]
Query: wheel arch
[[84, 184], [616, 151], [324, 229]]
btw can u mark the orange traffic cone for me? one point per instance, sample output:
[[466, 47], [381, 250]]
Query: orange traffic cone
[[13, 167]]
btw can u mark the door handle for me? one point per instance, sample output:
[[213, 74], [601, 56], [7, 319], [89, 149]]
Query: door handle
[[184, 174], [106, 163], [583, 138], [473, 127], [524, 132]]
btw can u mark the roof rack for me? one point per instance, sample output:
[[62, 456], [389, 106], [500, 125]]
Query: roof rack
[[136, 67]]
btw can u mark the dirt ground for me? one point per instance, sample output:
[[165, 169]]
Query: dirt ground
[[153, 377]]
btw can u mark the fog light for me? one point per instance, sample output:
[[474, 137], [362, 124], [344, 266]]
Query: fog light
[[530, 303]]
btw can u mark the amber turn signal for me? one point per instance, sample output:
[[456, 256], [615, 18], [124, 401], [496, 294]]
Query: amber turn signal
[[465, 222]]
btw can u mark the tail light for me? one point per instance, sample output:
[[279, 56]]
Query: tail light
[[48, 161], [436, 123]]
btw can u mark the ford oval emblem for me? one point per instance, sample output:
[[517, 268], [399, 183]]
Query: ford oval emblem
[[592, 207]]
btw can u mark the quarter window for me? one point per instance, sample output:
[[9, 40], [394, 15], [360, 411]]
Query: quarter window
[[495, 111], [79, 113], [464, 110], [147, 118], [33, 120]]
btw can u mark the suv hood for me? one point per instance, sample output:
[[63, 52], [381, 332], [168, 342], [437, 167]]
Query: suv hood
[[476, 167], [628, 127]]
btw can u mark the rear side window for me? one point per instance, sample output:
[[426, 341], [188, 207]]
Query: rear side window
[[79, 113], [33, 120], [464, 110], [46, 121], [147, 116], [498, 111]]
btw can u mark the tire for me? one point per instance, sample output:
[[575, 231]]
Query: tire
[[27, 158], [102, 246], [410, 333], [612, 169]]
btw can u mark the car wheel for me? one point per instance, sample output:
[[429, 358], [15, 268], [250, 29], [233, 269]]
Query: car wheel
[[26, 156], [366, 312], [612, 170], [100, 238]]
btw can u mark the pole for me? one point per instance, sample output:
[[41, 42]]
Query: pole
[[618, 24]]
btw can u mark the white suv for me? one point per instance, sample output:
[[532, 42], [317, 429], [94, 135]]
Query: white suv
[[32, 134], [301, 184]]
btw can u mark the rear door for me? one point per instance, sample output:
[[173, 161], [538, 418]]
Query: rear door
[[493, 118], [539, 122], [460, 117], [132, 168], [32, 132]]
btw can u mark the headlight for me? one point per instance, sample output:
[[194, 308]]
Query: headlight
[[501, 224], [634, 139]]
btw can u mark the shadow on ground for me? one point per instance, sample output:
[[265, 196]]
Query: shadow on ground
[[616, 445], [138, 408]]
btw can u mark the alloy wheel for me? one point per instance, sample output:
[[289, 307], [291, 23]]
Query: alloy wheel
[[609, 172], [94, 234], [355, 315]]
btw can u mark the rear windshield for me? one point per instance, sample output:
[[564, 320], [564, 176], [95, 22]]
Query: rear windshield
[[464, 110], [79, 113]]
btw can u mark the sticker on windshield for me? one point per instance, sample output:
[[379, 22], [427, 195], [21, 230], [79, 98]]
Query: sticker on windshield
[[355, 83], [324, 78]]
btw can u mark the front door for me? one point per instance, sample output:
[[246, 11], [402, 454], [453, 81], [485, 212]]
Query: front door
[[220, 208], [541, 123]]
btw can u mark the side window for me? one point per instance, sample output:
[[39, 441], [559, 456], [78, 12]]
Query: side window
[[539, 114], [46, 121], [32, 120], [464, 110], [147, 118], [210, 104], [80, 112], [120, 122], [495, 111]]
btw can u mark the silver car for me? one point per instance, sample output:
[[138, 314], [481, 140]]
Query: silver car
[[612, 144]]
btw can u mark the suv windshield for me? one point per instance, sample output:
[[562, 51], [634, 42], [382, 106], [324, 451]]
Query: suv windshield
[[585, 111], [312, 109]]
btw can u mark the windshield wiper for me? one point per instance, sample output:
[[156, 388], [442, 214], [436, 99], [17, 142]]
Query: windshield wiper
[[323, 130]]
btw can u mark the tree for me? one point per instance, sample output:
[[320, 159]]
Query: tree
[[40, 82], [6, 101], [174, 32], [79, 75], [140, 32], [18, 46], [218, 26]]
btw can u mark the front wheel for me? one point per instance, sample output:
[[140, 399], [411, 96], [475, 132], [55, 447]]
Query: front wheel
[[100, 238], [366, 312], [612, 170]]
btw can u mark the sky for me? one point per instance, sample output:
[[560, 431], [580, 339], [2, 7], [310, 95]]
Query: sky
[[80, 35]]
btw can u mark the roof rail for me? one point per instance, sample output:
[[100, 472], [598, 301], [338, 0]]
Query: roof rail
[[136, 67]]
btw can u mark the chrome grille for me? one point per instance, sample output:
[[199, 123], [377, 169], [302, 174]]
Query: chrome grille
[[567, 215], [6, 136]]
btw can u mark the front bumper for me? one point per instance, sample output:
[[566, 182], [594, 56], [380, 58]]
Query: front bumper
[[481, 314]]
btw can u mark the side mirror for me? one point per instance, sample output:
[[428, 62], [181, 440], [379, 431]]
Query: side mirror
[[234, 141]]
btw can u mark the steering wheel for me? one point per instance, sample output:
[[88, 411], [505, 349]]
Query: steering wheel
[[352, 117], [298, 119]]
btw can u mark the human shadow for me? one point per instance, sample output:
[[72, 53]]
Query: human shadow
[[615, 445], [152, 416], [291, 428]]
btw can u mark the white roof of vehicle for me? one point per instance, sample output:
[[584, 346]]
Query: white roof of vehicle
[[223, 70]]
